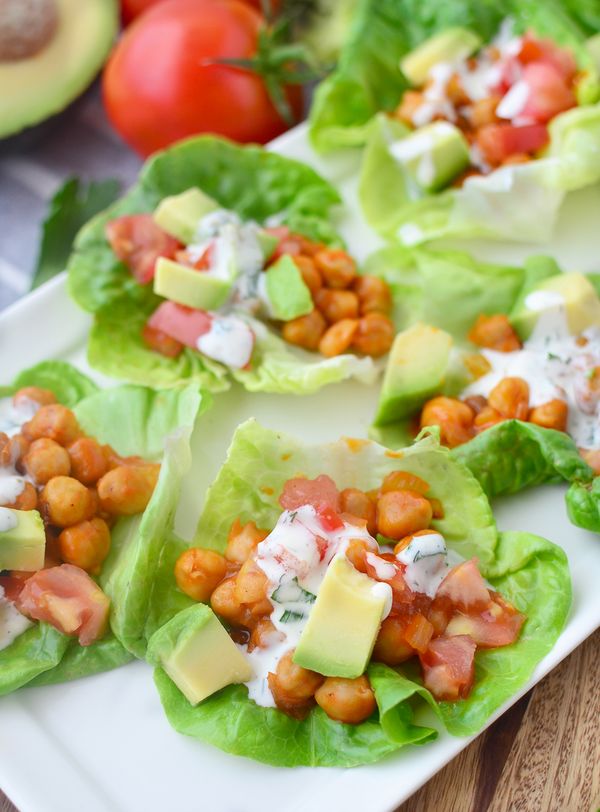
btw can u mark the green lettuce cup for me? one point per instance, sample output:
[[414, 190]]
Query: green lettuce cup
[[256, 185], [529, 571], [134, 420], [351, 108], [449, 290]]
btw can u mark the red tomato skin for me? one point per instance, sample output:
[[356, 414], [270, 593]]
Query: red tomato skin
[[162, 83], [138, 242], [499, 141], [182, 323], [465, 588], [549, 93], [544, 50], [321, 493], [330, 519]]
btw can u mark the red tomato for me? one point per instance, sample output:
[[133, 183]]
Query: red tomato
[[497, 626], [544, 50], [330, 519], [163, 81], [321, 493], [549, 93], [139, 242], [449, 667], [68, 599], [465, 587], [418, 632], [160, 342], [13, 585], [130, 9], [182, 323], [499, 141]]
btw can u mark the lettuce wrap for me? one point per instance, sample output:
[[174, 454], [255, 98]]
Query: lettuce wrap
[[134, 420], [257, 185], [517, 202], [449, 290], [530, 571]]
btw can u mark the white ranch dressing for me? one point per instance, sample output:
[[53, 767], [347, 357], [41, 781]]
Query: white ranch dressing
[[426, 561], [8, 520], [514, 101], [554, 366], [12, 622], [229, 340], [13, 417], [12, 485]]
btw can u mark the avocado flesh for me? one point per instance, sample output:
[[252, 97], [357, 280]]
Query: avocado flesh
[[416, 371], [179, 215], [22, 546], [198, 654], [288, 295], [342, 627], [187, 286], [451, 45], [433, 155], [576, 295], [35, 88]]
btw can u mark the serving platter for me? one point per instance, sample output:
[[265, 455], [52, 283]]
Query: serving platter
[[103, 744]]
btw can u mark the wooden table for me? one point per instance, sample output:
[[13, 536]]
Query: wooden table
[[541, 756]]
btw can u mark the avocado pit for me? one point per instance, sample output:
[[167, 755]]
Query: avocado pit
[[26, 27]]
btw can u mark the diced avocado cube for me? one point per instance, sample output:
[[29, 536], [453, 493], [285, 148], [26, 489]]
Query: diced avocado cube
[[415, 371], [571, 291], [340, 633], [287, 292], [179, 214], [22, 540], [198, 654], [190, 287], [268, 243], [451, 45], [433, 155]]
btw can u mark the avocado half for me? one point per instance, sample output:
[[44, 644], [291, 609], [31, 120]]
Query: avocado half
[[50, 51]]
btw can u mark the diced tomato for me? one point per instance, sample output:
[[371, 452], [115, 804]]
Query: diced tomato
[[160, 342], [13, 584], [498, 142], [330, 519], [419, 632], [321, 493], [439, 613], [509, 72], [449, 667], [549, 93], [205, 260], [499, 625], [289, 243], [139, 242], [68, 599], [182, 323], [465, 587], [544, 50]]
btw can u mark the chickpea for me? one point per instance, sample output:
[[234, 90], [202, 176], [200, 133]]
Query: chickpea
[[26, 500], [55, 422], [400, 513], [127, 489], [224, 602], [86, 544], [411, 101], [42, 396], [337, 268], [476, 402], [477, 364], [456, 92], [64, 502], [347, 700], [495, 333], [264, 634], [12, 449], [338, 338], [510, 397], [251, 584], [487, 418], [357, 503], [401, 480], [198, 572], [375, 334], [88, 461], [551, 415], [243, 540], [295, 682], [308, 270], [336, 305], [483, 112], [374, 295], [305, 331], [390, 647], [46, 459], [454, 418]]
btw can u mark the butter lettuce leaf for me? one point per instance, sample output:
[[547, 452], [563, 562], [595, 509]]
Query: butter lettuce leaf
[[583, 504], [134, 420], [530, 571]]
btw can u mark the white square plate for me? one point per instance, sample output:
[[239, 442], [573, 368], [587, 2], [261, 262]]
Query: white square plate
[[102, 744]]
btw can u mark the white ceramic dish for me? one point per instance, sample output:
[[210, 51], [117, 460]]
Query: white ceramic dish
[[102, 744]]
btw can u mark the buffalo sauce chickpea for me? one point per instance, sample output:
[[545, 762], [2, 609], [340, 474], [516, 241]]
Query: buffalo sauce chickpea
[[461, 420], [79, 486], [237, 590]]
